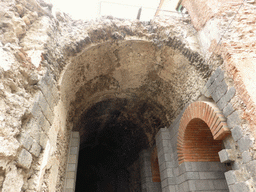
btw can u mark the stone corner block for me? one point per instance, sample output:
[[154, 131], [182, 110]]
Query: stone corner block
[[214, 75], [237, 133], [245, 143], [228, 110], [226, 99], [207, 94], [48, 87], [70, 183], [220, 77], [43, 140], [251, 167], [246, 156], [46, 109], [25, 140], [220, 91], [24, 159], [35, 110], [232, 176], [74, 142], [221, 103], [233, 120], [204, 91], [163, 134], [35, 149], [230, 94], [226, 156], [210, 80]]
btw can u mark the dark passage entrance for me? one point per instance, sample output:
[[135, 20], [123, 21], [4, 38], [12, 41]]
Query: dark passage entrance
[[102, 166], [100, 176], [113, 132]]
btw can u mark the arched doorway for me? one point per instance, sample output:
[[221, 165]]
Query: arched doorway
[[201, 131], [113, 133], [117, 91]]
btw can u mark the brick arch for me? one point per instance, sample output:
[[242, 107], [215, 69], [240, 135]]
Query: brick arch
[[202, 127], [155, 166]]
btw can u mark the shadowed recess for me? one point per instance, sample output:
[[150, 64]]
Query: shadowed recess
[[113, 132]]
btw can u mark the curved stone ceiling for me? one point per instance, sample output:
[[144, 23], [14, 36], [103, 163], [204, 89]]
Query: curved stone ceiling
[[136, 78], [118, 92]]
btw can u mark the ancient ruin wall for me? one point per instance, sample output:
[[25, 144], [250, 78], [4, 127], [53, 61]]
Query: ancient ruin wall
[[40, 48], [48, 60], [234, 40]]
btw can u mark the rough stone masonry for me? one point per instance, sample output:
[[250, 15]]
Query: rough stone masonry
[[116, 83]]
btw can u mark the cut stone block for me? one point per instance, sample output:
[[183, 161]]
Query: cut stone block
[[231, 177], [226, 156], [245, 143], [233, 120], [25, 159], [246, 156], [35, 149], [237, 133], [25, 140]]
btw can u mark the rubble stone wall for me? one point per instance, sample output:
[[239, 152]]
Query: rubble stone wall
[[39, 49], [54, 68]]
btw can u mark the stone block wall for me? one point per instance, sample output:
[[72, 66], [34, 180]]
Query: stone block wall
[[72, 162], [209, 176], [226, 29], [201, 176], [38, 119], [188, 176], [147, 184], [30, 68], [240, 144], [166, 160]]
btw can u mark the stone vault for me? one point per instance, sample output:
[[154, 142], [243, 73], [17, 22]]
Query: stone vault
[[109, 87]]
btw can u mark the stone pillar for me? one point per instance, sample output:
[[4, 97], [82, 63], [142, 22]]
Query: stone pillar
[[72, 163], [165, 160], [147, 184]]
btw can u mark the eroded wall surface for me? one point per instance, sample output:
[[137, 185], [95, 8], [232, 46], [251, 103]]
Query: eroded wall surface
[[233, 39], [187, 173], [55, 71]]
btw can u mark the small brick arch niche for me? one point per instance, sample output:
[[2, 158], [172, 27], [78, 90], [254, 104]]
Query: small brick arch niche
[[202, 129], [155, 166]]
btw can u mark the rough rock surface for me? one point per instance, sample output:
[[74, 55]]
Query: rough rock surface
[[56, 72]]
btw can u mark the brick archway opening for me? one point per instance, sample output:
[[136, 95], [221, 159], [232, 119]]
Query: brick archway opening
[[202, 129], [199, 144]]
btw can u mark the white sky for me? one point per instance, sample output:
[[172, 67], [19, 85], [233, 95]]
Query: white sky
[[90, 9]]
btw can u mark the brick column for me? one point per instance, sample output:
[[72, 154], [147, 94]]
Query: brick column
[[73, 152]]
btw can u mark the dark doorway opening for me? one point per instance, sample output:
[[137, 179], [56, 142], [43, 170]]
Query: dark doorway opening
[[112, 134], [103, 166]]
